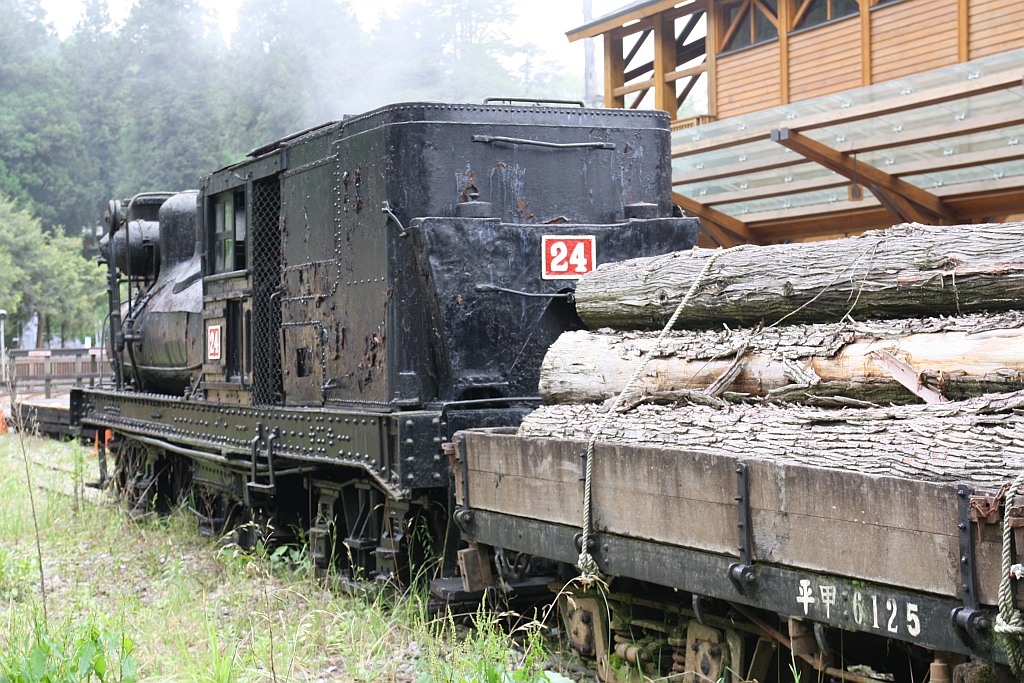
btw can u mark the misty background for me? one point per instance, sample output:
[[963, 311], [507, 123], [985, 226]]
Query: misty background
[[152, 101], [100, 101]]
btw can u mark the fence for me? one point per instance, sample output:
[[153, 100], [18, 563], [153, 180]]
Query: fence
[[48, 368]]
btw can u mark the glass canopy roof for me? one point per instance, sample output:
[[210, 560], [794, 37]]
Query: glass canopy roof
[[955, 132]]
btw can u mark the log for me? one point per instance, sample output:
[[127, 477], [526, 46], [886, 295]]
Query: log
[[979, 440], [905, 271], [957, 357]]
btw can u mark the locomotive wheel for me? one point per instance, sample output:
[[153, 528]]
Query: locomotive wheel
[[130, 480], [148, 480]]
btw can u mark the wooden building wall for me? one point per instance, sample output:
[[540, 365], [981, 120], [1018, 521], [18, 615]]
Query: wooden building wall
[[902, 38], [994, 26], [825, 59], [748, 80], [913, 36]]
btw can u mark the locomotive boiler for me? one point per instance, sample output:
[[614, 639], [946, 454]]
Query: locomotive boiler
[[294, 342]]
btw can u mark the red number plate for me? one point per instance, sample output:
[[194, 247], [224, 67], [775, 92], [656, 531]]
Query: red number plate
[[213, 338], [567, 257]]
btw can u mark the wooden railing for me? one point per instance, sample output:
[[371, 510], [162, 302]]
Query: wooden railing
[[48, 368]]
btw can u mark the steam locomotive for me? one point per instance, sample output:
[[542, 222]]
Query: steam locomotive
[[293, 343]]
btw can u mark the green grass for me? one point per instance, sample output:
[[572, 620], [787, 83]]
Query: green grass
[[154, 600]]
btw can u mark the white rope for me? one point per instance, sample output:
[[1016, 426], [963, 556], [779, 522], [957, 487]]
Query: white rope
[[1010, 621], [586, 563]]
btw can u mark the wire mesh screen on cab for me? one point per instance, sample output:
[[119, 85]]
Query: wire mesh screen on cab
[[266, 280]]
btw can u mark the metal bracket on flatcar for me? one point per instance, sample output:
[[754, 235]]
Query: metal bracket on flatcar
[[742, 573], [968, 620]]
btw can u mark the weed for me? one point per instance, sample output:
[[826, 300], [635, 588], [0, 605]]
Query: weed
[[15, 574], [88, 650]]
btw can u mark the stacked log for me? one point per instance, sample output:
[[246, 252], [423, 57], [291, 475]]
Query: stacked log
[[827, 323], [980, 440], [908, 270], [959, 357], [819, 353]]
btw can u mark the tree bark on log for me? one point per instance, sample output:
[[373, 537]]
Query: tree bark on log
[[905, 271], [977, 440], [959, 357]]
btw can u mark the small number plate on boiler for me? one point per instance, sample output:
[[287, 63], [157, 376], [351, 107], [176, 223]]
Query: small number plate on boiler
[[567, 257], [213, 339]]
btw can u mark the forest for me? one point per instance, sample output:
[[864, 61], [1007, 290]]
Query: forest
[[154, 102]]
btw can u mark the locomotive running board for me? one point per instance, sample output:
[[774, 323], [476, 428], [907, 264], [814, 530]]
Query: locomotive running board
[[223, 434]]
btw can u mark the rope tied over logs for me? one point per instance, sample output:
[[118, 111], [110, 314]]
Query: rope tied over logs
[[1010, 622], [586, 563]]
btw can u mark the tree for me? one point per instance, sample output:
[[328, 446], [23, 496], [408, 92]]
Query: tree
[[293, 64], [458, 51], [172, 104], [46, 274], [40, 137]]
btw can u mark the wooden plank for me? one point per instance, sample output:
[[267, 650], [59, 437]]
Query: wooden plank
[[927, 23], [825, 60], [934, 165], [614, 76], [711, 51], [740, 71], [797, 509], [865, 42], [730, 223], [679, 74], [921, 98], [939, 131], [994, 26], [633, 87], [783, 25], [963, 30], [664, 63], [836, 161], [618, 20]]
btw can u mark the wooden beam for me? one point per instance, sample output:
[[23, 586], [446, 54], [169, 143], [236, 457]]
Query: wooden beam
[[798, 17], [613, 72], [775, 190], [933, 165], [686, 90], [673, 76], [615, 21], [784, 25], [717, 234], [955, 161], [687, 29], [740, 168], [636, 48], [639, 98], [865, 42], [980, 124], [901, 209], [963, 30], [892, 105], [843, 165], [664, 63], [683, 55], [709, 50], [731, 30], [634, 87], [725, 221], [939, 131]]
